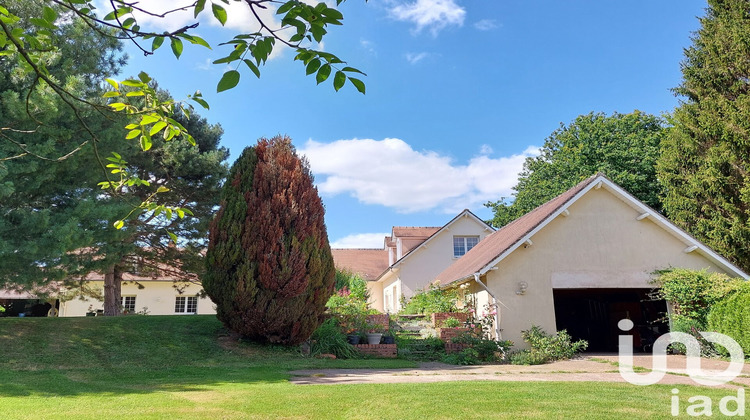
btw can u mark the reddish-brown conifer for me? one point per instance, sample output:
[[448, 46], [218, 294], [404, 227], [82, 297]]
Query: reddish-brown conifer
[[269, 264]]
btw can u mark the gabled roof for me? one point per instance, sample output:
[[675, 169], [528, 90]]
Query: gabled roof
[[464, 213], [416, 231], [369, 263], [495, 247]]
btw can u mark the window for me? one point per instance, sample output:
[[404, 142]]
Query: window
[[186, 305], [128, 303], [462, 244]]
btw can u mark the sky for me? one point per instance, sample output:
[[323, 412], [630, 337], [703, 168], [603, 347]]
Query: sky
[[459, 93]]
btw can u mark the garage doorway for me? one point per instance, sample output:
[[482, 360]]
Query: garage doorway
[[593, 314]]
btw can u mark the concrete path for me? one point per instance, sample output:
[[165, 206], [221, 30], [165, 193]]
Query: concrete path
[[591, 368]]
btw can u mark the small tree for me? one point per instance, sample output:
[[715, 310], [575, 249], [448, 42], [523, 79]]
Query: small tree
[[269, 265]]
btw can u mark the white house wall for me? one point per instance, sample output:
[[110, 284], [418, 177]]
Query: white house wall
[[421, 267], [158, 297], [600, 244]]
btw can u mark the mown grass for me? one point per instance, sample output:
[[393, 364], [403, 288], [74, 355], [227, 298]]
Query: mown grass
[[188, 367]]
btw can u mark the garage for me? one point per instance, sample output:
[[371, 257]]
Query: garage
[[593, 314]]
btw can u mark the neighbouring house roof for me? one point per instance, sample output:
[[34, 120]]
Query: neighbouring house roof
[[406, 231], [372, 264], [464, 213], [368, 263], [493, 249]]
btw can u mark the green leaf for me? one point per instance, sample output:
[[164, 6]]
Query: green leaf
[[312, 67], [253, 67], [111, 94], [144, 77], [118, 224], [157, 127], [199, 6], [156, 43], [323, 73], [49, 14], [229, 80], [117, 106], [202, 102], [219, 13], [286, 7], [135, 93], [172, 236], [133, 134], [352, 69], [360, 85], [149, 119], [132, 83], [338, 80], [176, 47], [146, 143], [162, 189]]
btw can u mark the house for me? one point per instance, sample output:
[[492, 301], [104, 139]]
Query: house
[[411, 257], [581, 262], [140, 294]]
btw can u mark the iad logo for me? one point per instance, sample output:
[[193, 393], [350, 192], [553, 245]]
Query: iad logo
[[702, 405]]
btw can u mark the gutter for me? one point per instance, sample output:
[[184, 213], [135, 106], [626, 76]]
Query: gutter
[[498, 336]]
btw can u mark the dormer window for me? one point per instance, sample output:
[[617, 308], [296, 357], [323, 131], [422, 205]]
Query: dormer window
[[462, 244]]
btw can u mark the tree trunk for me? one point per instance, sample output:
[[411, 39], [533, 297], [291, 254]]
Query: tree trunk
[[112, 291]]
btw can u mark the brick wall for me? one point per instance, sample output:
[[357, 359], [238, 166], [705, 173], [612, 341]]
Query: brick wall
[[440, 317], [378, 350], [447, 334]]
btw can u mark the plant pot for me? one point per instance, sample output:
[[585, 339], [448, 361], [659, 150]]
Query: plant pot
[[352, 339], [389, 339], [374, 338]]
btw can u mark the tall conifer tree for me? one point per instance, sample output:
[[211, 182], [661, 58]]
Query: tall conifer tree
[[269, 265], [706, 157]]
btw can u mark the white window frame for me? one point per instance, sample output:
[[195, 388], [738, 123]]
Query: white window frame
[[463, 243], [125, 307], [182, 304]]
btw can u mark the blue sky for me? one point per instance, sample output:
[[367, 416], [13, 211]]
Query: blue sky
[[459, 92]]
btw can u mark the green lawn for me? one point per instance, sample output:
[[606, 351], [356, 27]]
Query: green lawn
[[187, 367]]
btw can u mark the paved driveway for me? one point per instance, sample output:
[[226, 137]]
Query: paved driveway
[[591, 367]]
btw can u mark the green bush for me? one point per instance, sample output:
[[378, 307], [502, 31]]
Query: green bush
[[549, 347], [731, 316], [692, 293], [478, 350], [432, 300], [328, 339], [526, 357]]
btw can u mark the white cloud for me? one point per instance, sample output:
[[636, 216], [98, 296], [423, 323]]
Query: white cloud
[[414, 58], [435, 15], [392, 174], [360, 240], [368, 46], [486, 25], [485, 149]]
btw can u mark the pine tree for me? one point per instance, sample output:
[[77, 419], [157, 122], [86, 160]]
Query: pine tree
[[269, 265], [706, 157]]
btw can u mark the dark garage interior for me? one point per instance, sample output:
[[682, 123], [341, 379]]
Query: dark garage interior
[[593, 314]]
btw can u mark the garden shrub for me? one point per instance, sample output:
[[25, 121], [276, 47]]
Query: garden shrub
[[548, 347], [526, 357], [328, 339], [479, 349], [432, 300], [731, 316], [421, 349], [692, 293]]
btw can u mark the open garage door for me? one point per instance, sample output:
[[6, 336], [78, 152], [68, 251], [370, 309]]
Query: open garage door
[[592, 315]]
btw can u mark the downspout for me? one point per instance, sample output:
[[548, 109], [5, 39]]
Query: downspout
[[498, 336]]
